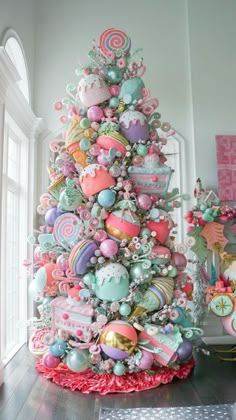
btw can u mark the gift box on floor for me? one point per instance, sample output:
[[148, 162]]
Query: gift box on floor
[[226, 167]]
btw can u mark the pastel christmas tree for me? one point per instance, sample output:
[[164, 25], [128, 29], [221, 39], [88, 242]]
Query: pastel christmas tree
[[114, 297]]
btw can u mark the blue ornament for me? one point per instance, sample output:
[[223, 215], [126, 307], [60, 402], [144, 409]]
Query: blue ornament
[[58, 348], [106, 198], [154, 214], [114, 102], [119, 369], [84, 144], [114, 74]]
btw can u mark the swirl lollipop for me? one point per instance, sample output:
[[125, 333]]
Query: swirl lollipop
[[114, 43], [66, 229]]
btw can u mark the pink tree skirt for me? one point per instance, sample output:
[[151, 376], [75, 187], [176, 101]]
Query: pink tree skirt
[[89, 381]]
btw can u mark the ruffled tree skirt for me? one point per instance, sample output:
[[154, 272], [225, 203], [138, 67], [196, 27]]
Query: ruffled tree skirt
[[89, 381]]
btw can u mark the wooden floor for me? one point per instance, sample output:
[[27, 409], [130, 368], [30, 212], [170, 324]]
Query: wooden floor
[[25, 395]]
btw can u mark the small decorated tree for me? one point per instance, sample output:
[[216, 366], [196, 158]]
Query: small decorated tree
[[115, 300]]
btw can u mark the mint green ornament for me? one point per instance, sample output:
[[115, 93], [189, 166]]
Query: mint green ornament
[[173, 272], [203, 207], [138, 272], [89, 279], [125, 309], [119, 369], [84, 123], [114, 102], [142, 150], [114, 74]]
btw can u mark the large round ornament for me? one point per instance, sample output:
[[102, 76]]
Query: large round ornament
[[146, 360], [106, 198], [122, 225], [58, 348], [118, 339], [109, 248], [51, 215], [95, 113], [185, 350], [178, 260], [50, 361], [114, 74], [112, 282], [77, 360]]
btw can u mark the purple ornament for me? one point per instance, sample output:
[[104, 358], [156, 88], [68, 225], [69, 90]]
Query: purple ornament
[[134, 126], [109, 248], [62, 263], [144, 201], [51, 215], [146, 360], [95, 113], [185, 350]]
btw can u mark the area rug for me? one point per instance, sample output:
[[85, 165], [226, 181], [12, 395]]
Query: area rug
[[89, 381], [205, 412]]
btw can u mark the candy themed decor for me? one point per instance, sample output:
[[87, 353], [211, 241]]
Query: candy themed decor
[[114, 295]]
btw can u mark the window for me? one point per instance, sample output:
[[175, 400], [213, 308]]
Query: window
[[15, 51], [17, 130], [14, 235]]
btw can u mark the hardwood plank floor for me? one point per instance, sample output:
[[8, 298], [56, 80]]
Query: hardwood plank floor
[[25, 395]]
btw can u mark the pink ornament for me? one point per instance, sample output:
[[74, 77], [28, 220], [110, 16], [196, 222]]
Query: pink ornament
[[50, 361], [137, 160], [62, 263], [178, 260], [109, 248], [95, 113], [146, 360], [144, 201], [94, 150], [114, 90]]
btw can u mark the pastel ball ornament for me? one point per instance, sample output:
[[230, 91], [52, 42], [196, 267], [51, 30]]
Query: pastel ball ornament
[[58, 348], [95, 113], [77, 360], [118, 339], [106, 198], [109, 248], [50, 361], [146, 360], [51, 215], [125, 309], [119, 369], [144, 202], [185, 350], [114, 74]]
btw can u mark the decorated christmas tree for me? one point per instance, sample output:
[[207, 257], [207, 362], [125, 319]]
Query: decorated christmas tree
[[114, 299]]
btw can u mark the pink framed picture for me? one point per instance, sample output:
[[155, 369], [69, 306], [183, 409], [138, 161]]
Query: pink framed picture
[[226, 167]]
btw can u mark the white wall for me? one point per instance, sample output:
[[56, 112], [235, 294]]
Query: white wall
[[20, 16], [212, 34], [64, 34]]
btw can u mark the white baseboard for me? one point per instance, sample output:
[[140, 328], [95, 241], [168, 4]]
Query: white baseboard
[[220, 340], [1, 373]]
